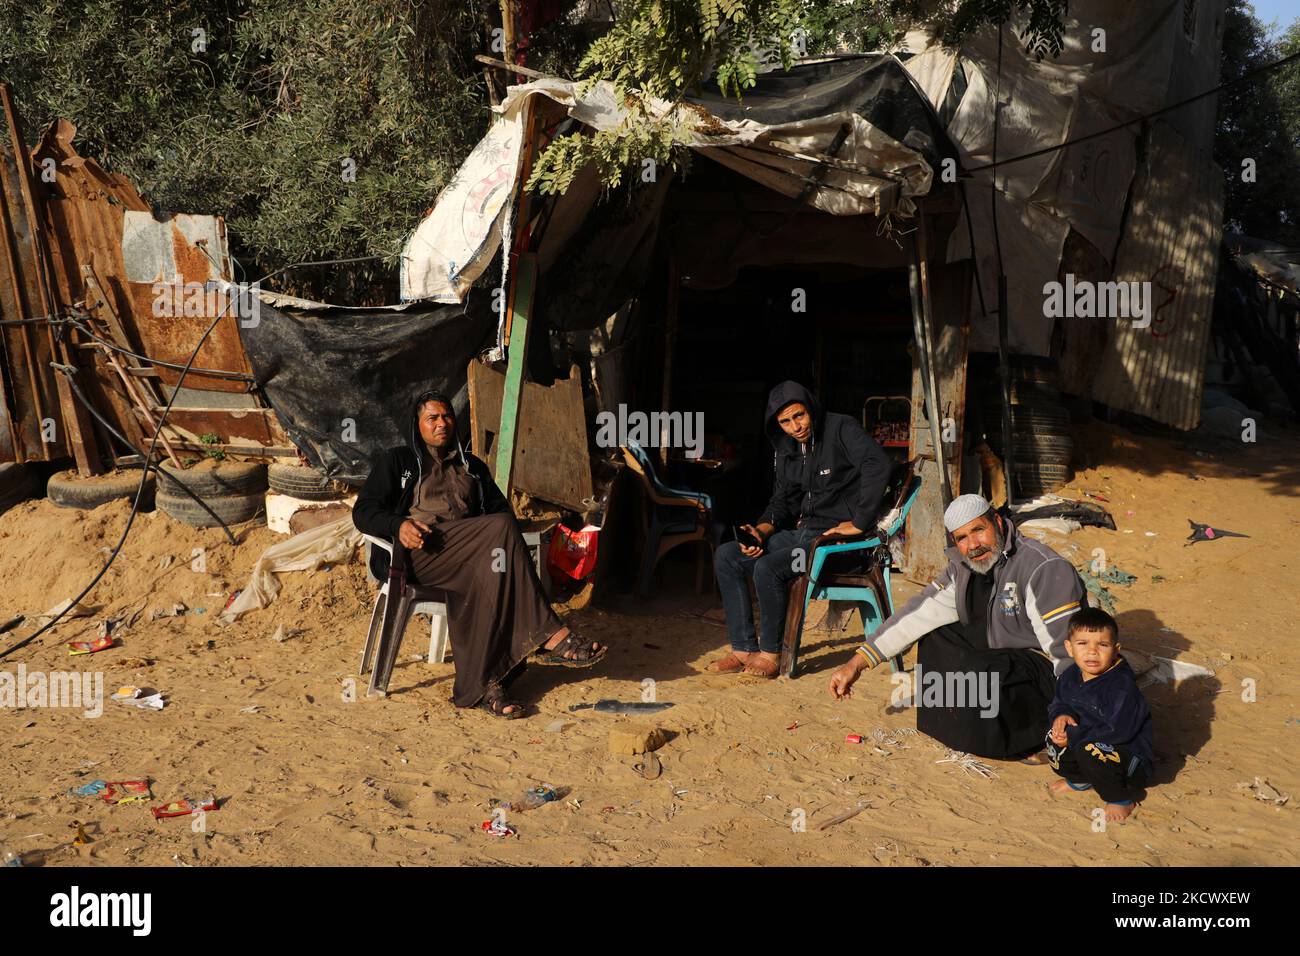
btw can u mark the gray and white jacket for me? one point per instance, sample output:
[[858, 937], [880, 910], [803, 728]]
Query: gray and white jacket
[[1035, 592]]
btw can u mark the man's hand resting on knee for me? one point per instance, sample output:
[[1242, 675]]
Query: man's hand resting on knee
[[412, 533]]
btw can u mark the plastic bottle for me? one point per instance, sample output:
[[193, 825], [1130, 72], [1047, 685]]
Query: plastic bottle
[[535, 797]]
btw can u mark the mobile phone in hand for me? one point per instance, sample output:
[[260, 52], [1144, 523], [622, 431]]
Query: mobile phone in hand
[[745, 538]]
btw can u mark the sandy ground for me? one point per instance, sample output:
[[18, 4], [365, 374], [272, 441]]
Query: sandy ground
[[307, 776]]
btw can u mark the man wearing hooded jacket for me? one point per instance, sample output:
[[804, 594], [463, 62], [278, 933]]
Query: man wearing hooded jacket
[[443, 506], [830, 477]]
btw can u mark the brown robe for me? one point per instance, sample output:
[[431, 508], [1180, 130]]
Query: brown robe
[[496, 612]]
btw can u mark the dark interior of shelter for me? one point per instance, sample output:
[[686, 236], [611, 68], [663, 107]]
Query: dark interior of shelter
[[743, 292]]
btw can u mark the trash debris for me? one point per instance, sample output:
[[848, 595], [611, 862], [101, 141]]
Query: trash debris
[[280, 635], [166, 561], [176, 610], [13, 622], [848, 814], [555, 726], [853, 738], [1203, 532], [794, 726], [183, 808], [622, 707], [131, 696], [1151, 669], [1262, 790], [969, 764], [500, 828], [649, 767], [76, 648], [81, 839], [10, 857], [331, 543], [534, 797], [118, 792], [252, 709], [92, 789], [81, 610]]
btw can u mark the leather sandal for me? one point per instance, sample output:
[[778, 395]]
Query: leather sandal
[[583, 655], [760, 667], [731, 664], [495, 703]]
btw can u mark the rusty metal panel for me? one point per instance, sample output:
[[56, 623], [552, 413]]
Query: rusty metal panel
[[1172, 242], [31, 399], [98, 219]]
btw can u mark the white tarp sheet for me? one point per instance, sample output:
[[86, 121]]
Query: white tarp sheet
[[453, 245]]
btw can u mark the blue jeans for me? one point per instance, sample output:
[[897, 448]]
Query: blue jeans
[[772, 573]]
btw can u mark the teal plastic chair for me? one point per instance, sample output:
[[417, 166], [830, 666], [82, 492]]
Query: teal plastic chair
[[869, 590], [674, 516]]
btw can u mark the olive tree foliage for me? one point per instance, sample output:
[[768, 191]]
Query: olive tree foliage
[[319, 130], [663, 50]]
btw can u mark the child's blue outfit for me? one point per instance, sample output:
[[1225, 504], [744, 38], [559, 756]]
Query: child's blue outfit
[[1110, 747]]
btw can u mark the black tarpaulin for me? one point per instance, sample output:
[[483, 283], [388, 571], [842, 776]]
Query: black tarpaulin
[[875, 86], [342, 380]]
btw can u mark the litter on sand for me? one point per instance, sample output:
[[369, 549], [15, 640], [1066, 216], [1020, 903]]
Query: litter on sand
[[1151, 669], [183, 808], [103, 643], [1262, 790], [131, 696], [1203, 532], [848, 814], [622, 707], [499, 828], [969, 764]]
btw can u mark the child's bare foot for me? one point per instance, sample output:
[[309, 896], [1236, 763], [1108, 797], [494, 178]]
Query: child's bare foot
[[1059, 787], [1118, 812]]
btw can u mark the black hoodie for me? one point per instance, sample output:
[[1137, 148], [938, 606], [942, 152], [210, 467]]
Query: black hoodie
[[385, 500], [838, 475]]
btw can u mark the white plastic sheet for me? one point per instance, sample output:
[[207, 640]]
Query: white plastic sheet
[[329, 544]]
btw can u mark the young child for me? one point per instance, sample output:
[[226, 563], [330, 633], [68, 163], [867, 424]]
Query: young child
[[1100, 734]]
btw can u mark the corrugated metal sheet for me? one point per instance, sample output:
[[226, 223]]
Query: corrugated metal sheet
[[30, 397], [98, 219], [1172, 241]]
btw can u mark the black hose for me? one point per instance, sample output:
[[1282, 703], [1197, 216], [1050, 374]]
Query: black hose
[[67, 371]]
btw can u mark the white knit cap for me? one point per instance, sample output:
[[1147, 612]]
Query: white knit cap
[[963, 510]]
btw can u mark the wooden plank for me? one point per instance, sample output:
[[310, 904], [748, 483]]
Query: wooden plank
[[551, 458], [521, 302], [950, 291]]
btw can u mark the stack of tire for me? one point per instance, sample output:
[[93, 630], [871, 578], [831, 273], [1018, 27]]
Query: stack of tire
[[234, 490], [304, 482], [68, 489], [1041, 442]]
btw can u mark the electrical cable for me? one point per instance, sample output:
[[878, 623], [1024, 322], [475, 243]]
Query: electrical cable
[[153, 449], [69, 373]]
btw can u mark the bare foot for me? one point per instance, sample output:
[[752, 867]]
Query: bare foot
[[1118, 812], [1059, 787]]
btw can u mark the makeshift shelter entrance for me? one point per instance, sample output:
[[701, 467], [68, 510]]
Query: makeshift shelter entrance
[[807, 241]]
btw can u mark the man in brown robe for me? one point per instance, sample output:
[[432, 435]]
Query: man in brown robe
[[443, 506]]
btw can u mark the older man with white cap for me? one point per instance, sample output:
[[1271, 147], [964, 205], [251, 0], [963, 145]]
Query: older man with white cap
[[992, 631]]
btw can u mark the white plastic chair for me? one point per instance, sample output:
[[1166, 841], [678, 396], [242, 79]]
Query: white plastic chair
[[437, 611]]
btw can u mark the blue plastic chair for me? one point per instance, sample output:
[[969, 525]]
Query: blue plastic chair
[[675, 516], [869, 591]]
